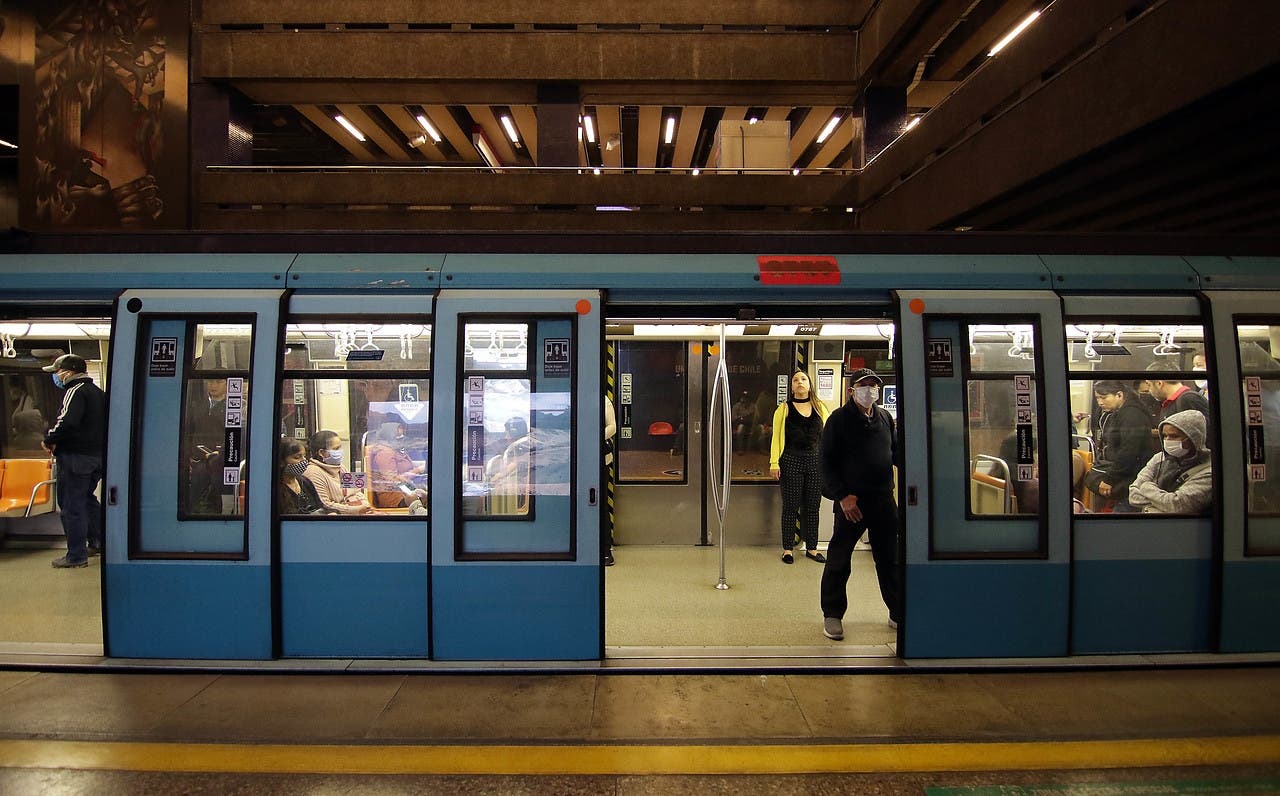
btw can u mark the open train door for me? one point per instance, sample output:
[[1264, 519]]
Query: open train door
[[188, 536], [985, 493], [516, 564]]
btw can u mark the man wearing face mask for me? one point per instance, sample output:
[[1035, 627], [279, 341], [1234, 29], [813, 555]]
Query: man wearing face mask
[[1178, 479], [76, 441], [859, 448], [1200, 365]]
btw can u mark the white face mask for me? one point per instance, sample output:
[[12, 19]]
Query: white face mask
[[1174, 448], [865, 396]]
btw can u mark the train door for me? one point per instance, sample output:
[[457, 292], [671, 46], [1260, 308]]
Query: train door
[[516, 476], [356, 392], [1246, 334], [1142, 575], [189, 570], [986, 501]]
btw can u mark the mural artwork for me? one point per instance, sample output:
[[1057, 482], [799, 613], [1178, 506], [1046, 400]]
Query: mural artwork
[[99, 80]]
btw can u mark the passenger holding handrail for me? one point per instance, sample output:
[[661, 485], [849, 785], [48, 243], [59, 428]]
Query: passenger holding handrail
[[793, 460], [1179, 479], [1124, 441]]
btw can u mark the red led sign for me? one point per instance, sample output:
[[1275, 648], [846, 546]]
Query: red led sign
[[804, 270]]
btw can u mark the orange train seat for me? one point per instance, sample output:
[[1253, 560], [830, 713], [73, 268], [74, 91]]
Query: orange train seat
[[27, 487]]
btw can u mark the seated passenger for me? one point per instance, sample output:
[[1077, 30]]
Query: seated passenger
[[1124, 441], [1179, 479], [29, 430], [392, 471], [324, 471], [297, 495]]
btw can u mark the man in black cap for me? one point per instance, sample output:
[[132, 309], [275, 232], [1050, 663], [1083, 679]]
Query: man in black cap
[[76, 441], [859, 447]]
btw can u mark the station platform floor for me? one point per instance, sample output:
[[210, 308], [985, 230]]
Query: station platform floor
[[1203, 730]]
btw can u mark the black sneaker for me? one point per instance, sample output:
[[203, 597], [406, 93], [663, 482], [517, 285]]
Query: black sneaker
[[608, 559], [65, 563], [95, 551]]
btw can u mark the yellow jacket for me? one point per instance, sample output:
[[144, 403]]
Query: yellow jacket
[[780, 428]]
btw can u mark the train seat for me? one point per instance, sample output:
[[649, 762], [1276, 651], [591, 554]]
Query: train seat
[[27, 488]]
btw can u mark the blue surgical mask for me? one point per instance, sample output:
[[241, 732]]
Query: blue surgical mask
[[57, 380], [333, 457]]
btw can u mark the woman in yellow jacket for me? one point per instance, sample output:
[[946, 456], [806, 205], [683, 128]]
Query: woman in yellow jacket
[[793, 460]]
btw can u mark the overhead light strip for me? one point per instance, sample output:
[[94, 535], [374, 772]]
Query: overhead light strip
[[350, 128], [671, 129], [1013, 34], [426, 125], [511, 129], [590, 127], [829, 129], [486, 151]]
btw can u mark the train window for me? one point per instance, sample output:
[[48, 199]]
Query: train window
[[1126, 381], [652, 390], [354, 407], [1002, 410], [215, 420], [759, 374], [1259, 345]]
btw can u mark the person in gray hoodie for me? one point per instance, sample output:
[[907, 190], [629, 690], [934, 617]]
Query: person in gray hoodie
[[1178, 479]]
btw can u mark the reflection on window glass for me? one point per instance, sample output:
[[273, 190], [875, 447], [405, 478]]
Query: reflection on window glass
[[365, 440], [651, 421], [215, 421], [496, 346], [1260, 386], [1002, 348], [758, 377], [357, 346], [1004, 456], [1118, 438]]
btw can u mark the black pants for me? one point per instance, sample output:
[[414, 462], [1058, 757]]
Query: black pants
[[801, 481], [880, 518], [78, 476]]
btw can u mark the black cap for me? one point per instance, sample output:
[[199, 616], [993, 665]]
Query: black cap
[[69, 362], [864, 373]]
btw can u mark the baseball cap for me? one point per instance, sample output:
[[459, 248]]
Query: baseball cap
[[864, 373], [69, 362]]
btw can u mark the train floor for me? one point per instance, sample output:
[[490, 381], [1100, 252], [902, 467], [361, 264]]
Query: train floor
[[1114, 732]]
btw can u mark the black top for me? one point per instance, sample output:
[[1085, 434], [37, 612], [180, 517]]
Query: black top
[[81, 426], [304, 501], [1125, 443], [803, 434], [858, 452]]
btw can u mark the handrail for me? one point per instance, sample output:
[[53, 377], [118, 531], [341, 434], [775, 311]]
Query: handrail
[[31, 502], [720, 420], [1004, 468]]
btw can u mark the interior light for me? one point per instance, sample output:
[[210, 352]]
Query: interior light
[[1013, 34], [912, 124], [511, 129], [426, 125], [596, 172], [696, 172], [590, 127], [829, 129], [579, 132], [862, 331], [5, 143], [752, 120], [783, 330], [350, 128], [671, 129], [795, 172], [486, 151]]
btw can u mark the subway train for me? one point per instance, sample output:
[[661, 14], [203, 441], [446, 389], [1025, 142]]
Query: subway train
[[479, 495]]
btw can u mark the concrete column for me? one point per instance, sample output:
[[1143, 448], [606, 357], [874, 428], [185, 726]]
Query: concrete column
[[558, 107], [884, 114]]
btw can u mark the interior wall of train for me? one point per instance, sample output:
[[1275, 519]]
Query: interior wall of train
[[496, 458]]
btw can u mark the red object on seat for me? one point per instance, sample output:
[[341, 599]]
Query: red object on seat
[[661, 428]]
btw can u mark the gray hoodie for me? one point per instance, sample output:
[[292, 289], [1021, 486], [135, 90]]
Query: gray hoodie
[[1169, 485]]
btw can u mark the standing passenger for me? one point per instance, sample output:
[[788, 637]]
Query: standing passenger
[[1124, 441], [610, 431], [793, 460], [76, 441], [859, 446]]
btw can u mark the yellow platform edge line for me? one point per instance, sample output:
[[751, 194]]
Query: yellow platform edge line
[[636, 759]]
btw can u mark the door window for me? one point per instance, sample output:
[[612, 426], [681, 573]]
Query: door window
[[652, 396], [1259, 346]]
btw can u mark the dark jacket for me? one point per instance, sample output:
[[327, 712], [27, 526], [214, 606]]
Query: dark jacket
[[81, 426], [305, 501], [1125, 443], [1187, 399], [858, 453]]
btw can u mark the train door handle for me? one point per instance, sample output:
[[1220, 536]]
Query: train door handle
[[111, 496], [592, 498], [912, 497]]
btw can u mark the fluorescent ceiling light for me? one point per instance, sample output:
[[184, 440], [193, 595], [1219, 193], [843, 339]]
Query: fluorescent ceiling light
[[912, 124], [426, 125], [1013, 34], [862, 331], [783, 330], [486, 151], [696, 172], [752, 120], [7, 144], [590, 127], [829, 129], [351, 128], [671, 129], [688, 330], [511, 129]]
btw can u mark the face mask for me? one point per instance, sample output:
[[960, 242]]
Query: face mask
[[295, 468], [1174, 448], [332, 457], [1202, 383], [57, 380], [865, 396]]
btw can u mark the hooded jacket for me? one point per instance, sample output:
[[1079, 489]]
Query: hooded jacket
[[1168, 485]]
